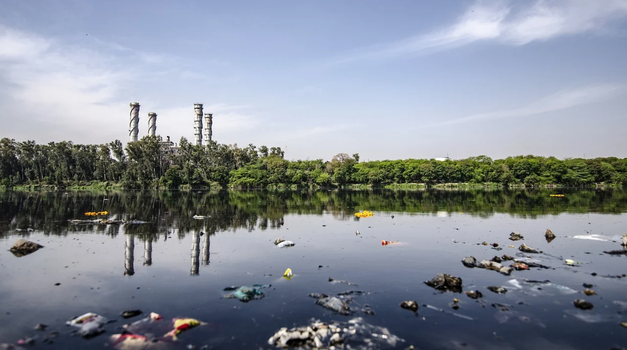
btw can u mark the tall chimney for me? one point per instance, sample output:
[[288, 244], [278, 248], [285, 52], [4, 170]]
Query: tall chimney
[[208, 126], [198, 124], [133, 126], [152, 124]]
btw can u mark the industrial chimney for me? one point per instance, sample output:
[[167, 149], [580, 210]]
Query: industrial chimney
[[152, 124], [198, 124], [133, 126], [208, 125]]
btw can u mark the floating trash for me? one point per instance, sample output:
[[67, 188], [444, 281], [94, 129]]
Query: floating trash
[[245, 293], [181, 325], [364, 214], [384, 242], [497, 290], [354, 334], [445, 282], [288, 273], [332, 303], [23, 247], [515, 236], [527, 249], [96, 213], [89, 324], [549, 236], [410, 305], [334, 281], [280, 242]]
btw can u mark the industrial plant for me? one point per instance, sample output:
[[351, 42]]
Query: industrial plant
[[133, 126]]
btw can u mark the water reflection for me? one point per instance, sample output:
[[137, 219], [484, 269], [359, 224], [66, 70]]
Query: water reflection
[[129, 255], [195, 253], [148, 251], [205, 249], [22, 213]]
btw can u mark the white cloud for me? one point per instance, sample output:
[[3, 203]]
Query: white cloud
[[64, 92], [500, 21], [555, 102]]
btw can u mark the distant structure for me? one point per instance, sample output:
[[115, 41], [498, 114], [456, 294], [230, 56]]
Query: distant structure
[[198, 124], [152, 124], [133, 126], [208, 128]]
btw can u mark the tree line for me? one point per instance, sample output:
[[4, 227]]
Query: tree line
[[153, 163]]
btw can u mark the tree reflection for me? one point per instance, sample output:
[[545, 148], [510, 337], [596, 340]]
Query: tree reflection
[[163, 212]]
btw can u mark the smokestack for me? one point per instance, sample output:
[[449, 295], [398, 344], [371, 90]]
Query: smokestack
[[198, 124], [133, 126], [152, 124], [208, 127]]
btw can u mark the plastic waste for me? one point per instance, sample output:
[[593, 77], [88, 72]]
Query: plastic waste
[[364, 214], [89, 324], [583, 305], [332, 303], [288, 273], [181, 325], [245, 293], [515, 236], [201, 217], [285, 244], [384, 242], [411, 305], [334, 281], [354, 334], [445, 282]]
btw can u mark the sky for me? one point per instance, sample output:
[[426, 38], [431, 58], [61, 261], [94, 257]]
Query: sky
[[385, 79]]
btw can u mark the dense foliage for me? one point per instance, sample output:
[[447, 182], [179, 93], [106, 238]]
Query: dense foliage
[[152, 163]]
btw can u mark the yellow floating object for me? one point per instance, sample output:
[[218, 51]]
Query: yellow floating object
[[96, 213], [570, 262], [364, 214], [556, 195], [288, 274]]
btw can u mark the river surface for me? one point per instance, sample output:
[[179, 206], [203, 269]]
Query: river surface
[[169, 263]]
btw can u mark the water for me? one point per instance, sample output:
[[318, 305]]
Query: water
[[166, 266]]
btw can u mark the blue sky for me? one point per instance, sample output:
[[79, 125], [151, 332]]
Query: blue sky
[[385, 79]]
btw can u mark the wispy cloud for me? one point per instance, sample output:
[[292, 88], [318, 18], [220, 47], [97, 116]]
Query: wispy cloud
[[507, 24], [52, 90], [555, 102]]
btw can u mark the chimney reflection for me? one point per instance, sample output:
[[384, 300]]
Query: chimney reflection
[[129, 252], [206, 243], [195, 253], [148, 251]]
